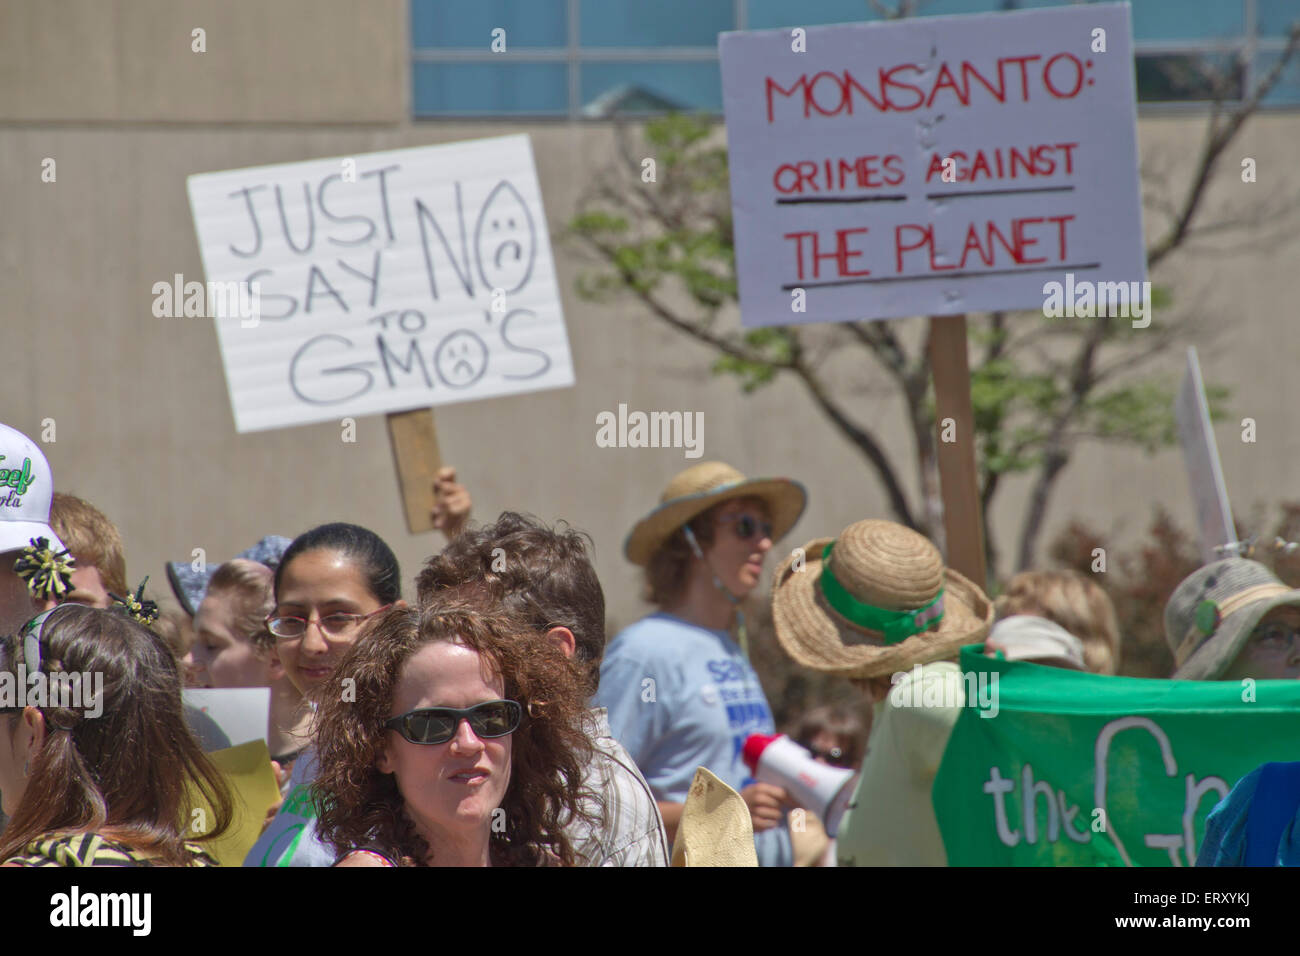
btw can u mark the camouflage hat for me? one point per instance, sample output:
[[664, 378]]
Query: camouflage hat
[[1211, 614]]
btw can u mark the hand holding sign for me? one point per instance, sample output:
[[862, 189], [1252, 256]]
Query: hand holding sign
[[453, 504]]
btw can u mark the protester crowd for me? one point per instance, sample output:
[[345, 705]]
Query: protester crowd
[[482, 718]]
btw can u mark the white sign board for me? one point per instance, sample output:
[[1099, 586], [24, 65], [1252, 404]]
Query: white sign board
[[932, 166], [387, 281], [1204, 471], [240, 714]]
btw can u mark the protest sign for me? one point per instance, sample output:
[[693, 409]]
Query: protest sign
[[253, 790], [240, 714], [935, 165], [387, 281], [1204, 470], [1081, 769]]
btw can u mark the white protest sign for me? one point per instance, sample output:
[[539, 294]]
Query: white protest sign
[[241, 714], [387, 281], [1204, 471], [935, 165]]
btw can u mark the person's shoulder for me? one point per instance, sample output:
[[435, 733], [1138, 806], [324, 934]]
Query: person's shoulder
[[1226, 825], [200, 856], [305, 767], [86, 850], [611, 763], [365, 856], [653, 637], [929, 692]]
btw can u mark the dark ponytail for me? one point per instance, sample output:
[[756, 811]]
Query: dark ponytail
[[359, 545]]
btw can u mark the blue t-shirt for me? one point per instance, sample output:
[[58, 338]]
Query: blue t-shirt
[[1225, 829], [681, 697], [290, 839]]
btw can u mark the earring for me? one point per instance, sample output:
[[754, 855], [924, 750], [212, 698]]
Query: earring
[[26, 767]]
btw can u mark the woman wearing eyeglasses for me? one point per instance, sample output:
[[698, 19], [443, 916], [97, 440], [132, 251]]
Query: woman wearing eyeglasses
[[679, 688], [463, 745], [329, 582]]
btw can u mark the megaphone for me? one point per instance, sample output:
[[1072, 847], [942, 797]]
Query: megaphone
[[815, 786]]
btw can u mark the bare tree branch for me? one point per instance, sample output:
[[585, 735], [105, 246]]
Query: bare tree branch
[[863, 439], [1216, 141]]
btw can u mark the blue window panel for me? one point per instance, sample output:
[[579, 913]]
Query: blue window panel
[[488, 88], [1274, 17], [1287, 90], [1188, 19], [948, 8], [1186, 77], [683, 86], [650, 23], [766, 14], [468, 24]]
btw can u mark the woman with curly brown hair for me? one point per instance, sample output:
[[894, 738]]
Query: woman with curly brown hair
[[450, 737]]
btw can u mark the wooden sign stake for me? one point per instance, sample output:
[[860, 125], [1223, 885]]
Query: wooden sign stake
[[958, 478], [417, 460]]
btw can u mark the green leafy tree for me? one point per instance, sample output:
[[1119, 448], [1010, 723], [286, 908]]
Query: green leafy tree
[[1039, 387]]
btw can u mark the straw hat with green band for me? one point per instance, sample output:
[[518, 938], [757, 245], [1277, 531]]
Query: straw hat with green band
[[699, 488], [874, 601]]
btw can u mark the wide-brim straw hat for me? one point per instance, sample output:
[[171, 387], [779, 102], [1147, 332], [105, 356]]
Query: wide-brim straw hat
[[698, 489], [715, 827], [1211, 614], [883, 572]]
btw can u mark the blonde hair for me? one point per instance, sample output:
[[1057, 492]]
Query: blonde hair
[[252, 586], [91, 539], [1073, 601]]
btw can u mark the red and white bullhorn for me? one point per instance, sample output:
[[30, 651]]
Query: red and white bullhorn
[[815, 786]]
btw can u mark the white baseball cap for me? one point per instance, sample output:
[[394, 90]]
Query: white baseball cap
[[1023, 637], [26, 491]]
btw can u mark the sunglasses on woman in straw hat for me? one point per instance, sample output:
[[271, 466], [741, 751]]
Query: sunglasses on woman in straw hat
[[699, 488], [874, 601]]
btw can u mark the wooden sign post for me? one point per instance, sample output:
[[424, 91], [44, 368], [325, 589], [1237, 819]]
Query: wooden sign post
[[417, 460], [958, 478]]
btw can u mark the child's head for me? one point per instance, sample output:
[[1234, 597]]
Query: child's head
[[96, 547], [232, 647], [1074, 602]]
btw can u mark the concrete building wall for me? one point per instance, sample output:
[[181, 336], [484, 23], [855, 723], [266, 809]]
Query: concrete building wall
[[143, 421]]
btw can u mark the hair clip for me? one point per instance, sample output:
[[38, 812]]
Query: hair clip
[[48, 573], [137, 607]]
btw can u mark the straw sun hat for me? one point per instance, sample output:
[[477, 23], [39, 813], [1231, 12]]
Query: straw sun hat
[[698, 489], [876, 602]]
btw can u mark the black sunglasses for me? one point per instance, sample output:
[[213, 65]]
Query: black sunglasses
[[746, 526], [437, 725]]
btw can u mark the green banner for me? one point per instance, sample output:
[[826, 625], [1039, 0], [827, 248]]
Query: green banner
[[1070, 769]]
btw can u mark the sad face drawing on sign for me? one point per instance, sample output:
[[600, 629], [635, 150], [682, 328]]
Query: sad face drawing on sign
[[505, 240], [461, 359]]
